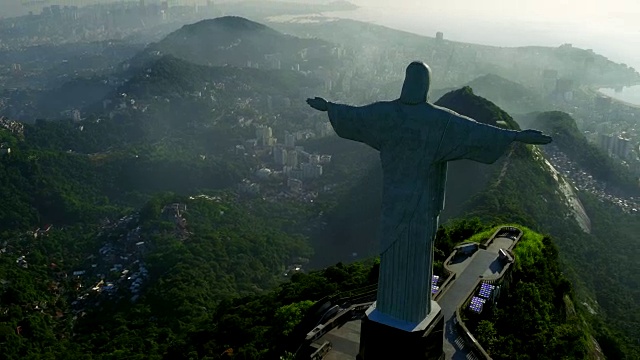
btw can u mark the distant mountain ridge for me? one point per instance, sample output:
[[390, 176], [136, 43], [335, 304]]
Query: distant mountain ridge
[[235, 41], [473, 59], [478, 107], [67, 172], [509, 95], [173, 74]]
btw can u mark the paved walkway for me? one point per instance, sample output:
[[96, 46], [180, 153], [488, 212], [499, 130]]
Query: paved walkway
[[482, 262], [479, 263], [345, 341]]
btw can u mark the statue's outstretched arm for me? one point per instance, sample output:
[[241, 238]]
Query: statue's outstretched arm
[[318, 103], [364, 124], [533, 137], [465, 138]]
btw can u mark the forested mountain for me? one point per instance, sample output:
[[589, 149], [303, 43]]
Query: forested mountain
[[54, 63], [237, 41], [85, 212], [145, 183], [513, 97], [170, 76], [542, 285], [178, 65], [518, 188], [172, 274]]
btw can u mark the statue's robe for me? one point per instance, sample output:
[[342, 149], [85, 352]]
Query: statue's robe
[[415, 144]]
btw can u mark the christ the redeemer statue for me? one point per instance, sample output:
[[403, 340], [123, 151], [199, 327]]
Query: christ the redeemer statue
[[416, 139]]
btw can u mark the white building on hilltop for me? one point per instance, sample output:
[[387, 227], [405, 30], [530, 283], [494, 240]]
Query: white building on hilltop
[[616, 145]]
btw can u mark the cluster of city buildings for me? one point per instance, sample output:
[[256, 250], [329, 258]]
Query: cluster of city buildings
[[12, 126], [609, 124], [286, 159], [15, 127], [117, 269], [78, 20], [620, 146], [624, 151], [584, 181]]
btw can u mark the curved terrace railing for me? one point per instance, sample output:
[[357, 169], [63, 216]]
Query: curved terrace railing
[[503, 279]]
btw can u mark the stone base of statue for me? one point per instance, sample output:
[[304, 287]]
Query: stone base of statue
[[383, 337]]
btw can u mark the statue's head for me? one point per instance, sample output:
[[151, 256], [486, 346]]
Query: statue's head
[[416, 84]]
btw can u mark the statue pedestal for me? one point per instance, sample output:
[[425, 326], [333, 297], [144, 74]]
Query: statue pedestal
[[382, 337]]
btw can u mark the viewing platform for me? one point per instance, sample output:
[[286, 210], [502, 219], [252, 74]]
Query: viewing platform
[[470, 266]]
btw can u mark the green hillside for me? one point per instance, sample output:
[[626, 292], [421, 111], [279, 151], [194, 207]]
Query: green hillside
[[536, 318], [228, 249], [46, 184], [466, 102], [142, 191], [235, 41], [523, 191], [257, 327]]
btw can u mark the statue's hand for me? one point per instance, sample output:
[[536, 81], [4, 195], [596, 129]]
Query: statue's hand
[[534, 137], [318, 103]]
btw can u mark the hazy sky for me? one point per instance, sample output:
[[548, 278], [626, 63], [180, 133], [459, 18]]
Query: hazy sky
[[522, 9], [609, 27], [549, 9]]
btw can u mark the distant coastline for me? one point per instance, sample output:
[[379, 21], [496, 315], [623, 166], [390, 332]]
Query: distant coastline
[[489, 32], [630, 95]]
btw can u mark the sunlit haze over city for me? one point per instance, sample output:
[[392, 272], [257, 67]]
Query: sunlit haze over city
[[319, 179], [609, 27]]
